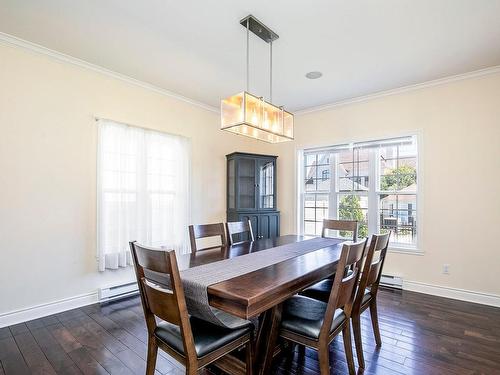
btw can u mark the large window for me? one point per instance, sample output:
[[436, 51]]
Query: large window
[[374, 183], [142, 192]]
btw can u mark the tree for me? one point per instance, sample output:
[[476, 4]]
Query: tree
[[399, 178], [350, 209]]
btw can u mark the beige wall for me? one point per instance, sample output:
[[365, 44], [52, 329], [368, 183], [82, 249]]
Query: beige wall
[[48, 170], [459, 125]]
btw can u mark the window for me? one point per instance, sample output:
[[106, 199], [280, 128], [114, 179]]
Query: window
[[143, 191], [267, 185], [372, 182]]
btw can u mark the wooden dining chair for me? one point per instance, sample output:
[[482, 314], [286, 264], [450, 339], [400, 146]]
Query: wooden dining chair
[[314, 323], [238, 227], [205, 231], [341, 225], [191, 341], [366, 295], [321, 290]]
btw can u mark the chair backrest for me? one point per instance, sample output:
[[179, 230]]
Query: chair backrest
[[344, 282], [238, 227], [372, 269], [341, 225], [204, 231], [169, 303]]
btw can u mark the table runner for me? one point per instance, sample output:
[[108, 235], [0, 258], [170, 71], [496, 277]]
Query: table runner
[[196, 280]]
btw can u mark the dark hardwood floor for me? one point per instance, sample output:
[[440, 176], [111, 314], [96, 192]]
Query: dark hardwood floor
[[421, 335]]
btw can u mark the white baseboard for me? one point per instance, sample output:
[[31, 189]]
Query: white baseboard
[[45, 309], [454, 293], [39, 311]]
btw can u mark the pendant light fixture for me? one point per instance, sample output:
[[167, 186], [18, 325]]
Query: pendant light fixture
[[251, 115]]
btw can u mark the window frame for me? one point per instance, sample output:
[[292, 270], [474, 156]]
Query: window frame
[[373, 193]]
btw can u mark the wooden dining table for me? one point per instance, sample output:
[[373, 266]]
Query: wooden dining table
[[260, 293]]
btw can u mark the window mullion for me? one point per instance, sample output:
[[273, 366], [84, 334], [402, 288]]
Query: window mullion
[[372, 195], [332, 195]]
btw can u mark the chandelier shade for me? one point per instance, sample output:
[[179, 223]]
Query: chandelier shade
[[253, 117], [250, 115]]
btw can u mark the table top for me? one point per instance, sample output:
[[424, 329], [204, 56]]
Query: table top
[[250, 294]]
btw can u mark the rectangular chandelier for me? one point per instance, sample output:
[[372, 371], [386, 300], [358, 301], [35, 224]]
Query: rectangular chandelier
[[252, 116], [248, 115]]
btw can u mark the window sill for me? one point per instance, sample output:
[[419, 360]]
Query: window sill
[[405, 250]]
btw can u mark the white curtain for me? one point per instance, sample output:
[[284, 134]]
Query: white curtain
[[142, 191]]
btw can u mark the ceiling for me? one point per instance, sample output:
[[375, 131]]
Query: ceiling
[[197, 48]]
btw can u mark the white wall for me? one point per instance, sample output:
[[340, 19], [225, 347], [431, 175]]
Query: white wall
[[459, 123], [48, 170]]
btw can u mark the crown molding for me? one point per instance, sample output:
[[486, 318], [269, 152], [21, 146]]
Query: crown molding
[[15, 41], [400, 90], [18, 42]]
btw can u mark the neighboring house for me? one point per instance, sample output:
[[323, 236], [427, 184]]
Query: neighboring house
[[398, 212]]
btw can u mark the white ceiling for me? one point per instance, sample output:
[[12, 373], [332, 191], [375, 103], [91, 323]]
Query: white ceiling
[[197, 48]]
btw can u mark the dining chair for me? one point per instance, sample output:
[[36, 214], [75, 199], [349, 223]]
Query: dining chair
[[191, 341], [238, 227], [366, 295], [314, 323], [341, 225], [205, 231], [321, 290]]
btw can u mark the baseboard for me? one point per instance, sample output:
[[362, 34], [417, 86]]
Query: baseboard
[[454, 293], [45, 309], [40, 311]]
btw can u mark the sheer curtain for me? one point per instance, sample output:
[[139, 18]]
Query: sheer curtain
[[142, 191]]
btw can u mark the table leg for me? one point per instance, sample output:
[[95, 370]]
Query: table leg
[[268, 337]]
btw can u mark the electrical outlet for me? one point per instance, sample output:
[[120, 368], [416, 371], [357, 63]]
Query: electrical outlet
[[446, 269]]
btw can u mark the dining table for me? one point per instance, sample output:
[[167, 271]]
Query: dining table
[[259, 294]]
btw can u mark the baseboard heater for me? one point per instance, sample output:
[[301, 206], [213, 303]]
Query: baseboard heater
[[390, 281], [118, 291]]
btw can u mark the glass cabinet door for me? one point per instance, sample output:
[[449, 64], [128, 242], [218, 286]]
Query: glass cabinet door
[[231, 184], [266, 199], [246, 183]]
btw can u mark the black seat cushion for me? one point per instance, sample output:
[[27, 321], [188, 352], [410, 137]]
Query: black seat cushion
[[207, 336], [366, 297], [319, 291], [304, 316]]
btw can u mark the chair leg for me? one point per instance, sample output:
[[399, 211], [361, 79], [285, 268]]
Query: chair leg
[[151, 360], [191, 370], [356, 327], [249, 357], [346, 336], [324, 360], [374, 316]]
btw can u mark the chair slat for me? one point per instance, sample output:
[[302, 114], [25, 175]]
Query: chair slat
[[238, 227], [344, 225], [204, 231], [162, 303]]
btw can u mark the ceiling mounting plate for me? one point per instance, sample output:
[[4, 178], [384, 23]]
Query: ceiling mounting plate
[[259, 29]]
